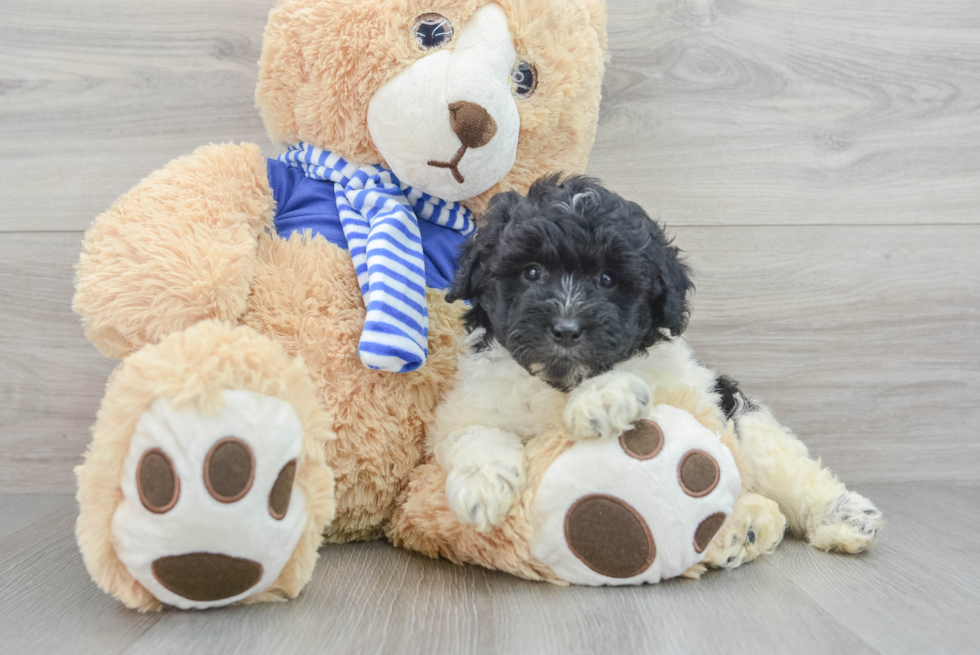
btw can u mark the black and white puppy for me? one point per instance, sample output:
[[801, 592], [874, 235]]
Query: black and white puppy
[[571, 280], [578, 300]]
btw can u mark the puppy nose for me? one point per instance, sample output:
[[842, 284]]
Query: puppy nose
[[472, 124], [566, 332]]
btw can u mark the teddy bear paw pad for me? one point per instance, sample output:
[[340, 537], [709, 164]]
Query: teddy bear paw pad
[[637, 509], [210, 514]]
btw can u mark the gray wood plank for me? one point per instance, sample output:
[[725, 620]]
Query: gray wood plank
[[385, 601], [51, 377], [734, 112], [915, 594], [928, 536], [96, 95], [794, 112], [863, 339], [48, 603]]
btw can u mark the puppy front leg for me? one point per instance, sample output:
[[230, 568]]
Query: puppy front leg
[[606, 405], [485, 474], [817, 504]]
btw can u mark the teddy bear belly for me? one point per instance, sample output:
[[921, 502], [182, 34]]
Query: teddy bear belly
[[306, 297]]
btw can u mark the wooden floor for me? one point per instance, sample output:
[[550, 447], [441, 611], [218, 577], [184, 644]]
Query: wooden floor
[[918, 593], [819, 162]]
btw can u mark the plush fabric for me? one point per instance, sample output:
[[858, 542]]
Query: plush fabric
[[146, 539], [177, 249], [424, 522], [217, 239], [652, 488], [222, 357], [299, 301], [301, 80]]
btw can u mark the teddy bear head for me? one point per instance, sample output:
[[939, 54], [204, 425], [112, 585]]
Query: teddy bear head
[[460, 98]]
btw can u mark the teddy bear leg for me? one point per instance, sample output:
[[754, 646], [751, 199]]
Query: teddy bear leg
[[816, 503], [205, 483], [602, 511]]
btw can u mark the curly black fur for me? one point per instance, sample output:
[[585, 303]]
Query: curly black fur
[[573, 233]]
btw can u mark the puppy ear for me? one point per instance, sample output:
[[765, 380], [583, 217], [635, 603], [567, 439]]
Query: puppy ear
[[672, 308], [470, 276], [669, 306]]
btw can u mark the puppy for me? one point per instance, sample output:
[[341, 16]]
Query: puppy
[[578, 302]]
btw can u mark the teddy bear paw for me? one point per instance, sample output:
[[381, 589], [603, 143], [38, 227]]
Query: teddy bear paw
[[637, 509], [210, 514], [606, 406]]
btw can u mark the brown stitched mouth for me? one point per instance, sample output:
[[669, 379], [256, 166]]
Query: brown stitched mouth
[[453, 164]]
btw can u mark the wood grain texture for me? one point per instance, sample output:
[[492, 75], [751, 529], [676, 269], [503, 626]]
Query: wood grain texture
[[918, 593], [794, 112], [820, 163], [863, 339], [96, 95], [717, 111]]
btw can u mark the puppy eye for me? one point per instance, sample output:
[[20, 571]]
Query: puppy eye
[[432, 31], [607, 281], [525, 77], [532, 273]]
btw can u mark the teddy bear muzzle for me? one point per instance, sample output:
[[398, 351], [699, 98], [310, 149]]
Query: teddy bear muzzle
[[453, 110]]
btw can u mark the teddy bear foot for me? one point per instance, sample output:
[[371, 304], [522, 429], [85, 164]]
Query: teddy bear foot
[[637, 509], [205, 484], [210, 514]]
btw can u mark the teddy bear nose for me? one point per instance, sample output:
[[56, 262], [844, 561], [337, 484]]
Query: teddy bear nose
[[472, 123]]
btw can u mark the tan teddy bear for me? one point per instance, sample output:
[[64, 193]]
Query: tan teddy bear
[[224, 283], [282, 325]]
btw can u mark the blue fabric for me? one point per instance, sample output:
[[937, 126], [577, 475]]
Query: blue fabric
[[303, 203]]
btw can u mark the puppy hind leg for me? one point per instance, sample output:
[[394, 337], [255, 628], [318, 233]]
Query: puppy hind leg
[[817, 505]]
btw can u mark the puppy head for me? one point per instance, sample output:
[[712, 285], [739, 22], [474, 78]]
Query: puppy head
[[571, 279]]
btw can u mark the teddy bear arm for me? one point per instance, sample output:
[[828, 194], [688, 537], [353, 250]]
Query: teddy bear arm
[[180, 247]]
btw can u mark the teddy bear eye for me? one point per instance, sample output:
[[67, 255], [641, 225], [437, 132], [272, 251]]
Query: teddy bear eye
[[432, 31], [525, 77]]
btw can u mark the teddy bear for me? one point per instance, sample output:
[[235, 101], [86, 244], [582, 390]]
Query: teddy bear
[[280, 354], [284, 335]]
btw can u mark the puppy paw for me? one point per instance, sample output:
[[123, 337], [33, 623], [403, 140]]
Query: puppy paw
[[483, 497], [850, 525], [756, 528], [484, 474], [606, 406]]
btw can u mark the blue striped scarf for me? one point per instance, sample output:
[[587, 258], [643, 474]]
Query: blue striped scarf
[[380, 217]]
